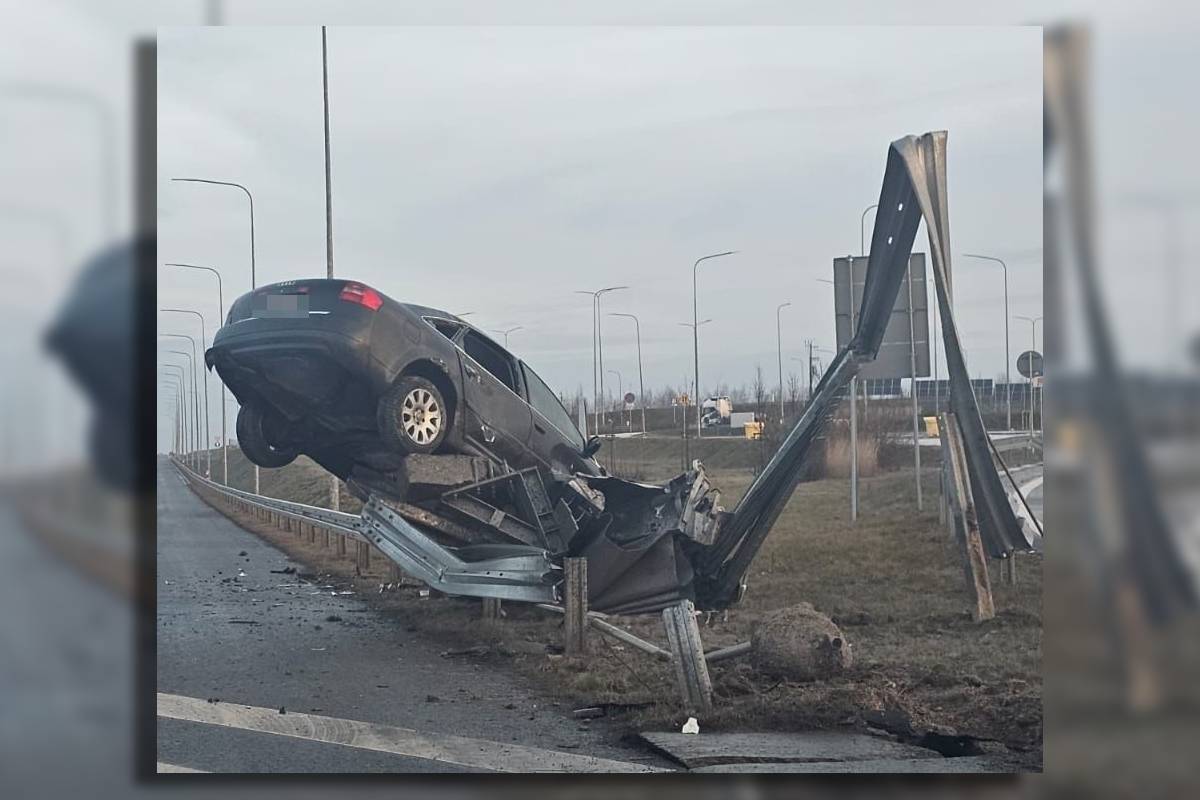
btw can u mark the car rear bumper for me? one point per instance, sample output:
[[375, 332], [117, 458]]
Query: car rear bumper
[[295, 367]]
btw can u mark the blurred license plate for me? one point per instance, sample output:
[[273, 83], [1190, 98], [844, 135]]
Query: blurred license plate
[[281, 305]]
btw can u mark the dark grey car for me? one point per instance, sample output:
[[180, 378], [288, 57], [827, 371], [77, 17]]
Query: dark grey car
[[336, 370]]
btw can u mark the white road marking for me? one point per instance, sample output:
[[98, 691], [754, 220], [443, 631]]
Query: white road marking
[[1029, 486], [445, 748], [165, 767]]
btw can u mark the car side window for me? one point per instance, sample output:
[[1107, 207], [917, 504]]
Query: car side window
[[543, 399], [444, 326], [491, 358]]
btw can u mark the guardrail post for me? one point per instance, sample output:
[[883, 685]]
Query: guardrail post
[[966, 522], [341, 545], [687, 654], [491, 609], [1008, 570], [325, 531], [576, 604]]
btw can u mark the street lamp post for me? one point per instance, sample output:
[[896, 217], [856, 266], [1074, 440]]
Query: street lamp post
[[250, 197], [183, 389], [862, 232], [637, 327], [172, 394], [1033, 321], [779, 343], [1007, 365], [203, 345], [195, 361], [696, 330], [221, 312], [167, 382], [598, 348], [188, 356], [253, 283]]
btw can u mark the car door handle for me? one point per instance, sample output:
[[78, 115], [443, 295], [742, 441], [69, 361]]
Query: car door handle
[[538, 428], [471, 373]]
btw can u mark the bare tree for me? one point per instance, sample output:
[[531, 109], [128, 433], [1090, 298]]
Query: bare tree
[[793, 391], [760, 392]]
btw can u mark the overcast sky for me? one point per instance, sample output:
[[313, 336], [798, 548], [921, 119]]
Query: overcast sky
[[499, 170]]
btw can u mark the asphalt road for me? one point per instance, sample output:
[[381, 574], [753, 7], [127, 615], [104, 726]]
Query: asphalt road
[[359, 692], [1031, 480]]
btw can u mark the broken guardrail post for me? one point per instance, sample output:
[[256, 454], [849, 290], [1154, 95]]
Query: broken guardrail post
[[575, 602], [491, 609], [687, 654], [1008, 570], [966, 522]]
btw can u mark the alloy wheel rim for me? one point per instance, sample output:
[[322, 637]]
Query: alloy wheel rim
[[421, 416]]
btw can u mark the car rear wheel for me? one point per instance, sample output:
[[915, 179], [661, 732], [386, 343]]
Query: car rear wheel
[[253, 433], [412, 415]]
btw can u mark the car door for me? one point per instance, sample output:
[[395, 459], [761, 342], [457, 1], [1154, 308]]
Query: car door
[[554, 437], [498, 418]]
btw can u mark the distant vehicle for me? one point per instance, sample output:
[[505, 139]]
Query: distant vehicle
[[715, 411], [358, 381]]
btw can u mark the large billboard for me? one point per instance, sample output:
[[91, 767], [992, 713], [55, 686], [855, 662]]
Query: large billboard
[[894, 359]]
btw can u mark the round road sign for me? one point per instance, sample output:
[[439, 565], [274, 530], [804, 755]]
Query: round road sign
[[1029, 364], [629, 398]]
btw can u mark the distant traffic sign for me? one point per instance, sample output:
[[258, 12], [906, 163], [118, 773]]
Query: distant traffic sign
[[629, 398], [1029, 364]]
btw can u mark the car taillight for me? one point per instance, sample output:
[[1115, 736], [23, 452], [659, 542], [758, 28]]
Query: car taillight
[[363, 295]]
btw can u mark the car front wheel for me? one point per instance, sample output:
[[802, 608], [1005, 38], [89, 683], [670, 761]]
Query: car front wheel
[[254, 439], [412, 415]]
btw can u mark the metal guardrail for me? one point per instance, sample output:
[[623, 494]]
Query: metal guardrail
[[349, 525], [522, 577]]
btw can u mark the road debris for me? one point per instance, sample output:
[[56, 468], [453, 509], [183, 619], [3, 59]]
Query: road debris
[[589, 712], [691, 726]]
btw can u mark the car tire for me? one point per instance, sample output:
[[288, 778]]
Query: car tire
[[253, 440], [412, 416]]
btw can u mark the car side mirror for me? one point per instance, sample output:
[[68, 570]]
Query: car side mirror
[[592, 447]]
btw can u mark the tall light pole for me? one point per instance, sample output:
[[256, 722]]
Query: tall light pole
[[779, 344], [195, 383], [507, 332], [200, 364], [167, 381], [253, 283], [183, 385], [637, 327], [696, 330], [598, 348], [335, 500], [221, 312], [1007, 365], [1033, 321], [862, 231], [171, 393], [328, 183], [250, 197]]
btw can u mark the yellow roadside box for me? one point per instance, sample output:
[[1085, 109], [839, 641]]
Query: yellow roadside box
[[753, 430], [931, 426]]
